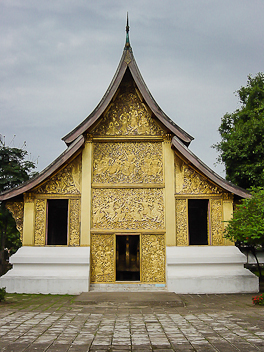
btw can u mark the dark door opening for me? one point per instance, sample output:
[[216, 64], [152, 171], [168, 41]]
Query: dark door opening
[[127, 258], [57, 221], [197, 216]]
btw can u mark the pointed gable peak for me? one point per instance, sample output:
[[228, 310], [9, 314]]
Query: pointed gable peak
[[128, 63]]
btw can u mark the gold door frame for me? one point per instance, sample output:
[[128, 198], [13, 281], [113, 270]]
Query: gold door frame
[[152, 257], [129, 234]]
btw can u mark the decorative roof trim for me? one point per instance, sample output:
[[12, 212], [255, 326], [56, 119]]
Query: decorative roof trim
[[127, 61], [98, 111], [194, 160], [48, 171]]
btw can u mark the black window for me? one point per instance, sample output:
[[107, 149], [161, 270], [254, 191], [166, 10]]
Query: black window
[[57, 217], [198, 221]]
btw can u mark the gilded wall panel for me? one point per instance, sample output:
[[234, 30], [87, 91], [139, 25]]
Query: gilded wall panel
[[153, 258], [217, 223], [128, 209], [194, 183], [182, 222], [128, 163], [17, 210], [74, 222], [66, 181], [40, 222], [102, 258], [127, 116]]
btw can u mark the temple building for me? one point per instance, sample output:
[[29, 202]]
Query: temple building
[[127, 206]]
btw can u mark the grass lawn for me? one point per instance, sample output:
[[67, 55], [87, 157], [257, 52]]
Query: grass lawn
[[35, 301]]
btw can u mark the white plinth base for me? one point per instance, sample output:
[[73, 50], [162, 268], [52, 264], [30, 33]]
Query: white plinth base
[[208, 269], [56, 270]]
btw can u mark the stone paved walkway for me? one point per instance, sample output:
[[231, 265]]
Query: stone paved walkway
[[205, 323]]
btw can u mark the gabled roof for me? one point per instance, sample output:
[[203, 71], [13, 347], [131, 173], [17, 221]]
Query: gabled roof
[[205, 170], [128, 62], [75, 139], [48, 171]]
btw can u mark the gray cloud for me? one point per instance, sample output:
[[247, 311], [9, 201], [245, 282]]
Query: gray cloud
[[58, 58]]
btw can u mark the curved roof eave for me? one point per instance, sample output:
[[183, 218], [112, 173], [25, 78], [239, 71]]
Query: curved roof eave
[[155, 108], [43, 175], [127, 61], [194, 160]]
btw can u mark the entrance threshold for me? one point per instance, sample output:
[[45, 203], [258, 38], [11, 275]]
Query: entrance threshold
[[127, 287]]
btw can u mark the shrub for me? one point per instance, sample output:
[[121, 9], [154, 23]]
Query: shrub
[[2, 293], [258, 300]]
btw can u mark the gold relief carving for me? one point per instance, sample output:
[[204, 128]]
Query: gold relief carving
[[228, 196], [17, 210], [181, 222], [29, 197], [179, 173], [102, 258], [127, 58], [40, 222], [217, 223], [167, 137], [194, 183], [128, 209], [128, 163], [74, 222], [128, 116], [153, 258], [66, 181]]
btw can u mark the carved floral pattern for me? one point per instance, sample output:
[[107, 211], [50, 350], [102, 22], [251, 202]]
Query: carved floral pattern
[[40, 222], [66, 181], [181, 222], [17, 210], [102, 258], [153, 258], [74, 223], [128, 209], [128, 163], [194, 183], [217, 223], [128, 116]]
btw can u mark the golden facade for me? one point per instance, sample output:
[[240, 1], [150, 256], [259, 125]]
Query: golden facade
[[133, 175]]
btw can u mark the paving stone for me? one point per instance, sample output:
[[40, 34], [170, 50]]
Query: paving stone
[[16, 347], [206, 323], [79, 348], [39, 347]]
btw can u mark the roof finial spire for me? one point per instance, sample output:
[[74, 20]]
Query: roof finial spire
[[127, 35]]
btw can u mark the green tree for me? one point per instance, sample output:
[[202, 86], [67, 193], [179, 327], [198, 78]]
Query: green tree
[[247, 225], [14, 170], [242, 144]]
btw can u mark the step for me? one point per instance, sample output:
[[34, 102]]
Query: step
[[127, 287], [121, 300]]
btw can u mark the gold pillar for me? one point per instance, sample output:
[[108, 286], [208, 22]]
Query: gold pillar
[[86, 194], [170, 221], [29, 220], [227, 215]]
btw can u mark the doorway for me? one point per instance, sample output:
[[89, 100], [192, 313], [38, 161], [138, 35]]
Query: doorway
[[57, 218], [198, 221], [127, 258]]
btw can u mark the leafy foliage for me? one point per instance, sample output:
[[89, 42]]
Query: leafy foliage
[[246, 228], [2, 294], [258, 300], [242, 145], [14, 170], [247, 224]]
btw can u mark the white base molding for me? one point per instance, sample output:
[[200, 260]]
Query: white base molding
[[208, 269], [127, 287], [55, 270]]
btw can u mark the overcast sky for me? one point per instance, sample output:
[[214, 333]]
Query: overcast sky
[[58, 57]]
